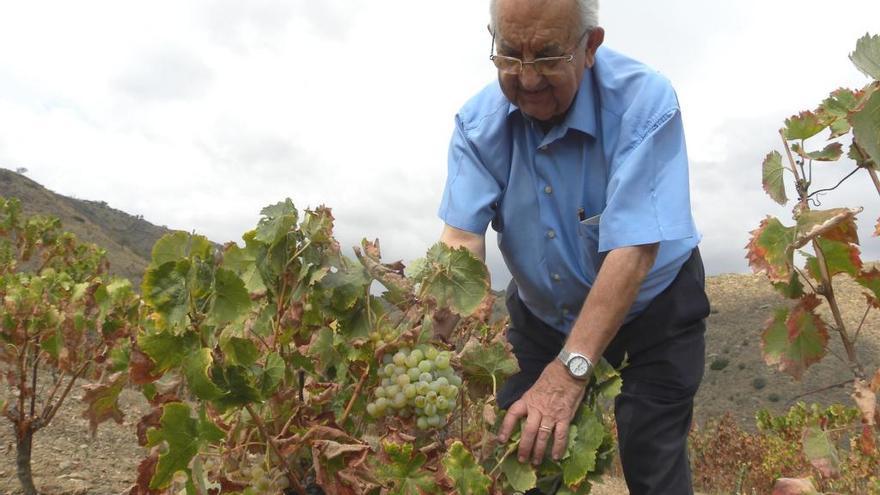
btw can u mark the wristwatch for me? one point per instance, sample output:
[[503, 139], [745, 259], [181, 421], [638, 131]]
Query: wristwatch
[[578, 365]]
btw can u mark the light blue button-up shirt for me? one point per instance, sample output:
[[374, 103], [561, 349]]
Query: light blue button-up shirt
[[618, 161]]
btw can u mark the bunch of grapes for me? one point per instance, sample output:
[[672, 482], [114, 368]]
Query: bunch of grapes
[[264, 482], [416, 382]]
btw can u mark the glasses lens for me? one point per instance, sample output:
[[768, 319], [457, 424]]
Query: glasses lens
[[507, 65], [549, 66]]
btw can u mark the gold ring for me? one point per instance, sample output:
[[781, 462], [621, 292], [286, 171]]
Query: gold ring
[[548, 429]]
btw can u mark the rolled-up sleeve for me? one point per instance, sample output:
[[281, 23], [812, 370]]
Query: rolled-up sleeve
[[471, 190], [647, 198]]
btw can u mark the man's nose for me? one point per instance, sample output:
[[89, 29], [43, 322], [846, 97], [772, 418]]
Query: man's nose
[[529, 78]]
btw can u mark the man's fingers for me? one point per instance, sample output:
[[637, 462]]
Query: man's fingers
[[516, 411], [560, 439], [544, 432], [529, 432]]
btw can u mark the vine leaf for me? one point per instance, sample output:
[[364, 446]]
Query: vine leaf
[[165, 289], [583, 449], [803, 126], [870, 280], [794, 340], [866, 57], [770, 249], [103, 401], [243, 262], [774, 185], [794, 486], [866, 128], [836, 108], [231, 298], [197, 368], [167, 350], [829, 153], [403, 471], [481, 362], [840, 257], [793, 289], [179, 246], [453, 277], [820, 451], [520, 476], [468, 477], [837, 224], [184, 435], [277, 220]]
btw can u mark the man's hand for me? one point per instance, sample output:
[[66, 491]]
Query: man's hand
[[548, 408]]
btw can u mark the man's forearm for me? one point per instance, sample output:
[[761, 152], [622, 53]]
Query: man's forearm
[[610, 299]]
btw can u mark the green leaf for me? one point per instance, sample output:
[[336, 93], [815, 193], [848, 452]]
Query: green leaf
[[179, 246], [348, 284], [487, 363], [402, 472], [520, 476], [455, 278], [820, 451], [240, 351], [870, 280], [793, 341], [243, 262], [866, 128], [607, 379], [468, 477], [836, 224], [322, 347], [272, 374], [803, 126], [238, 384], [197, 368], [165, 290], [793, 289], [866, 57], [103, 401], [184, 435], [583, 449], [774, 185], [829, 153], [277, 221], [231, 298], [770, 249], [840, 257], [167, 350]]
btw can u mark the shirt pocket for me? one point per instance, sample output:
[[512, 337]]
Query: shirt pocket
[[588, 249]]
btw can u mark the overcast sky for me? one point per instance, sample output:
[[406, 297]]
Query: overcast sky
[[197, 114]]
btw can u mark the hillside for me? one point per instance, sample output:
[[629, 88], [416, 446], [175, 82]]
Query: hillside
[[128, 239]]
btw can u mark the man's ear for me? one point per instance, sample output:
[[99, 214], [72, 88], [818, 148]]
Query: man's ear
[[594, 41]]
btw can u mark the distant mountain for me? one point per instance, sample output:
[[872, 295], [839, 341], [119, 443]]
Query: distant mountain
[[128, 239]]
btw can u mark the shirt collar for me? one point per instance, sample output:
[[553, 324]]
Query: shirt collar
[[582, 115]]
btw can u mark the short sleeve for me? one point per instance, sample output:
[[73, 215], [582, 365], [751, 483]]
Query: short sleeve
[[647, 197], [471, 190]]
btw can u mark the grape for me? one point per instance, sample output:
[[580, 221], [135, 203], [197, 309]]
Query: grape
[[386, 382], [389, 370], [442, 403], [431, 352], [399, 370], [422, 388], [434, 420], [391, 390], [413, 374], [430, 409], [403, 380], [434, 387], [442, 381], [409, 391], [455, 380], [426, 366], [420, 401], [380, 392], [372, 410], [399, 400], [431, 396], [442, 360], [422, 423], [413, 360], [417, 354], [449, 391], [426, 377]]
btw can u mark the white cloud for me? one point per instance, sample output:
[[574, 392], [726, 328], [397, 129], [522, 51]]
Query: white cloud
[[198, 114]]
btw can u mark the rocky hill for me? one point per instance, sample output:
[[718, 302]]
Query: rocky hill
[[127, 238]]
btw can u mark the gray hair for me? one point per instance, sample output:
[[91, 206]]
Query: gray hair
[[587, 10]]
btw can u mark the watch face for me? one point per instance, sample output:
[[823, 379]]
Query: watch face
[[579, 366]]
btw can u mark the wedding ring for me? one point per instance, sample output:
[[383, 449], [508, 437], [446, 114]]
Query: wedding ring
[[548, 429]]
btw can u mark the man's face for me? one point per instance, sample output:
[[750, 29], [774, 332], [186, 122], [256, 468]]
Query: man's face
[[529, 29]]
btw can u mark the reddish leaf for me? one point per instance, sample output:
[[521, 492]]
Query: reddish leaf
[[794, 486], [870, 280], [141, 367], [868, 441], [837, 224], [793, 341], [840, 257], [866, 401], [103, 401], [145, 471], [770, 249]]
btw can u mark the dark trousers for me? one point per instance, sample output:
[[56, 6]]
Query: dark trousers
[[665, 349]]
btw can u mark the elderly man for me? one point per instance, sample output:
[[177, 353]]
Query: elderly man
[[577, 158]]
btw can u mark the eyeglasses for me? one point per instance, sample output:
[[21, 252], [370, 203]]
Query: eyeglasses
[[545, 66]]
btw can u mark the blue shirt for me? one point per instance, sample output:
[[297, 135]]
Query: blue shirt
[[619, 155]]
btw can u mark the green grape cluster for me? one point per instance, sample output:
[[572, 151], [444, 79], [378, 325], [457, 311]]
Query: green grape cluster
[[264, 482], [416, 382]]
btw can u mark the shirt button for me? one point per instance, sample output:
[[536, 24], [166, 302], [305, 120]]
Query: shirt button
[[556, 277], [548, 189], [551, 234]]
